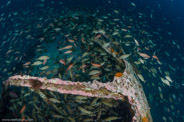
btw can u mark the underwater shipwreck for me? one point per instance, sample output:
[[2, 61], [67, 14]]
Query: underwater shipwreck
[[79, 74]]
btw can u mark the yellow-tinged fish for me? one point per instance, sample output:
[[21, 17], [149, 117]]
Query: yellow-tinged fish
[[124, 56], [81, 97], [67, 47], [94, 101], [89, 107], [106, 45], [71, 75], [107, 103], [84, 111], [124, 29], [127, 36], [141, 77], [27, 94], [116, 11], [44, 68], [37, 63], [71, 119], [54, 100], [69, 59], [67, 52], [44, 58], [85, 54], [165, 81], [60, 76], [57, 29], [56, 108], [94, 77], [168, 78], [136, 42], [79, 101], [94, 72], [111, 118]]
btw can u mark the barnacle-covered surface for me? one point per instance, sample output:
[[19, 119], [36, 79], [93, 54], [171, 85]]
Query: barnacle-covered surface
[[125, 88]]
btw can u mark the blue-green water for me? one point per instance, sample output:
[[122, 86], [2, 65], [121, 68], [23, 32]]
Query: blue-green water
[[156, 25]]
